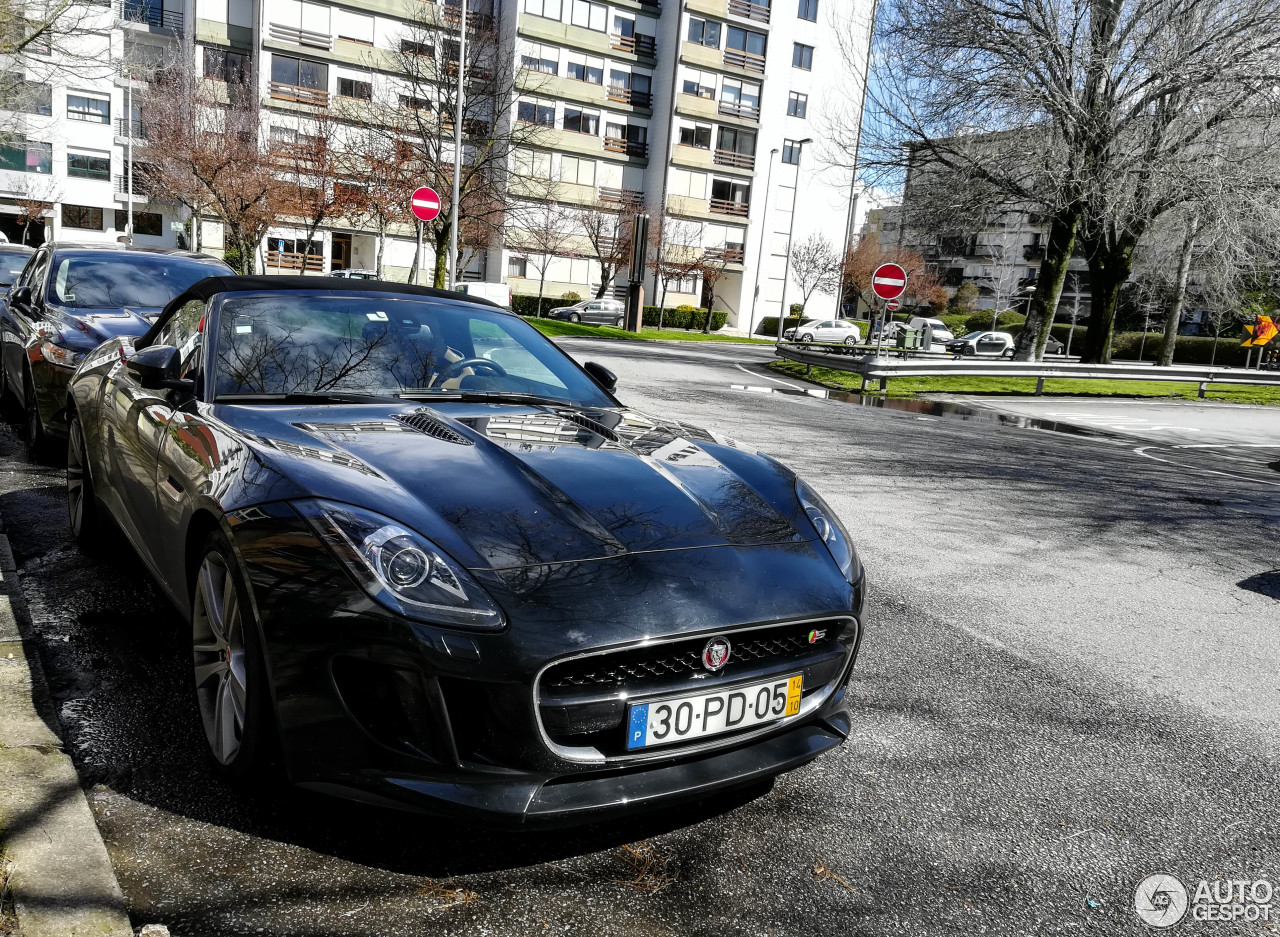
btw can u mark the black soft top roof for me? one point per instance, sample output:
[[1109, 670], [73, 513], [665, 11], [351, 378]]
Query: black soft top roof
[[212, 286]]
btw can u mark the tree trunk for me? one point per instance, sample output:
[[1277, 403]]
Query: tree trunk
[[1053, 273], [382, 246], [542, 285], [1109, 268], [604, 282], [1173, 317], [441, 275]]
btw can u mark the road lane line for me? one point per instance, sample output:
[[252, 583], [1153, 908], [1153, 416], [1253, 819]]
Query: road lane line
[[768, 378]]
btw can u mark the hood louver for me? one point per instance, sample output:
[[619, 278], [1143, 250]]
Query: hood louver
[[433, 426]]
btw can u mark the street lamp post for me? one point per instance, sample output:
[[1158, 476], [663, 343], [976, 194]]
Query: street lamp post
[[457, 147], [764, 226], [786, 268]]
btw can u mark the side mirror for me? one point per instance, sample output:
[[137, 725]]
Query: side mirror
[[20, 296], [156, 368], [601, 375]]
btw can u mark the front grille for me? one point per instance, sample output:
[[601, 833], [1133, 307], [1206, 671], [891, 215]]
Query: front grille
[[424, 422], [635, 668]]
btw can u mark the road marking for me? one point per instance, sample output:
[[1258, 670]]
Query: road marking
[[768, 378], [1142, 451]]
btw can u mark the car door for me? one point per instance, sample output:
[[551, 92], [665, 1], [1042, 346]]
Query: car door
[[591, 312], [989, 343], [19, 322], [140, 420]]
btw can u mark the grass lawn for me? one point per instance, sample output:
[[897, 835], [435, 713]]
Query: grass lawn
[[558, 327], [1065, 387]]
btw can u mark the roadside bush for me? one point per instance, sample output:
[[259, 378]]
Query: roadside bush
[[570, 298], [959, 325], [685, 307], [528, 305], [797, 309], [684, 317], [981, 321], [232, 257], [1189, 349]]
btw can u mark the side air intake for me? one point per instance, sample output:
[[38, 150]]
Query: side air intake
[[430, 425]]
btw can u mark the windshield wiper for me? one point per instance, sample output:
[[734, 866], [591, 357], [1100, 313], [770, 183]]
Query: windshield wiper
[[337, 397], [493, 397]]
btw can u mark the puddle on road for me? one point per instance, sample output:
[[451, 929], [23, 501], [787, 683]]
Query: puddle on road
[[926, 409]]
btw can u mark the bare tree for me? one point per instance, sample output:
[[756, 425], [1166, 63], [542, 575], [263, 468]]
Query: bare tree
[[494, 122], [309, 161], [861, 260], [712, 267], [35, 197], [674, 254], [815, 266], [41, 40], [376, 180], [544, 232], [1104, 114], [607, 228]]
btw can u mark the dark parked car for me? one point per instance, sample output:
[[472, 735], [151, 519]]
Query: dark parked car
[[13, 257], [442, 567], [595, 311], [69, 299]]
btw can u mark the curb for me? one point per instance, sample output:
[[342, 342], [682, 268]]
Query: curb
[[61, 883]]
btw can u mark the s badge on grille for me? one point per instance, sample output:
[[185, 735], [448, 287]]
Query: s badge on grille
[[716, 654]]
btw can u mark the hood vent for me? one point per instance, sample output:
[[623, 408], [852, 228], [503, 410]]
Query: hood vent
[[587, 423], [424, 422]]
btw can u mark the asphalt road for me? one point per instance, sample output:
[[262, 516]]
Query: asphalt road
[[1070, 681]]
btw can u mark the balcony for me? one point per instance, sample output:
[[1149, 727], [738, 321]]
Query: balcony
[[300, 37], [625, 198], [1033, 252], [148, 14], [727, 254], [747, 61], [753, 11], [724, 206], [284, 260], [740, 109], [629, 147], [627, 96], [130, 128], [298, 94], [736, 160], [636, 45]]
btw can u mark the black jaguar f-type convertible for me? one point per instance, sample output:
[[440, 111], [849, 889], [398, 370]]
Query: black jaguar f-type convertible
[[426, 560]]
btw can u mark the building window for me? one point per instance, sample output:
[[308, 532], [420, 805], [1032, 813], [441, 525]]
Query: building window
[[351, 88], [354, 27], [540, 58], [517, 267], [700, 84], [802, 56], [31, 97], [548, 8], [531, 164], [300, 73], [724, 190], [704, 33], [537, 112], [590, 15], [577, 171], [791, 152], [82, 216], [409, 102], [19, 155], [696, 135], [741, 94], [424, 50], [84, 166], [744, 40], [797, 104], [93, 110], [809, 10], [149, 223], [220, 65], [585, 68], [577, 120], [741, 142]]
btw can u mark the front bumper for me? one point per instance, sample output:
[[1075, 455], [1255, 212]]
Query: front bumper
[[378, 709], [51, 394]]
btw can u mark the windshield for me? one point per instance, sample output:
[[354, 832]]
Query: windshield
[[284, 343], [11, 264], [965, 338], [99, 279]]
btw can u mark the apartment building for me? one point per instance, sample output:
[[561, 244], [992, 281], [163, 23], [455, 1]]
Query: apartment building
[[713, 109]]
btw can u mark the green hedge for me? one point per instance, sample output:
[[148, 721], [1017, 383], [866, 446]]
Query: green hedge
[[1189, 349], [684, 318]]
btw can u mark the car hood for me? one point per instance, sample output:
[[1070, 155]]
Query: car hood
[[87, 328], [502, 486]]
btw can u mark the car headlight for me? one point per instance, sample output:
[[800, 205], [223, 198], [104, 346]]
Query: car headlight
[[60, 355], [401, 569], [829, 529]]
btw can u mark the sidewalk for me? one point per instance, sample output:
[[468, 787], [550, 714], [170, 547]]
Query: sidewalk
[[59, 878]]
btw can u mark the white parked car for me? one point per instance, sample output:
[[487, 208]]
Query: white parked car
[[498, 293], [839, 331], [941, 334]]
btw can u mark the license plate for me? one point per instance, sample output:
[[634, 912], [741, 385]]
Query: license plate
[[691, 717]]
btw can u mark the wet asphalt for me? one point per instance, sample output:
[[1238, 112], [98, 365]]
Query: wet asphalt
[[1070, 682]]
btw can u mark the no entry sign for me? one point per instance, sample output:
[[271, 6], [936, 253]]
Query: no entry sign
[[425, 203], [888, 281], [893, 305]]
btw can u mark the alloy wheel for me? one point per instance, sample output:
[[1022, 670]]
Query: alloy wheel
[[574, 317], [76, 477], [34, 426], [218, 650]]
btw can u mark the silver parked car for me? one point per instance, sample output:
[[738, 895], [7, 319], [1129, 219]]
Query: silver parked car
[[596, 311], [838, 331]]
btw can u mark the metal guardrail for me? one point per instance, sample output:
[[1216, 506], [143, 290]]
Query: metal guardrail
[[873, 368]]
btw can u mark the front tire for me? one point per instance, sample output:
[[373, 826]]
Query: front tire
[[82, 501], [968, 350], [229, 673], [33, 425], [574, 317], [806, 338], [1007, 353], [850, 340]]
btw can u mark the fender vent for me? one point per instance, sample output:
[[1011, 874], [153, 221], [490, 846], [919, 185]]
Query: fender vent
[[587, 423], [430, 425]]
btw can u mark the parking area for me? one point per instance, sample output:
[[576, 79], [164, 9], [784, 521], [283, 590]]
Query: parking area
[[1068, 683]]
